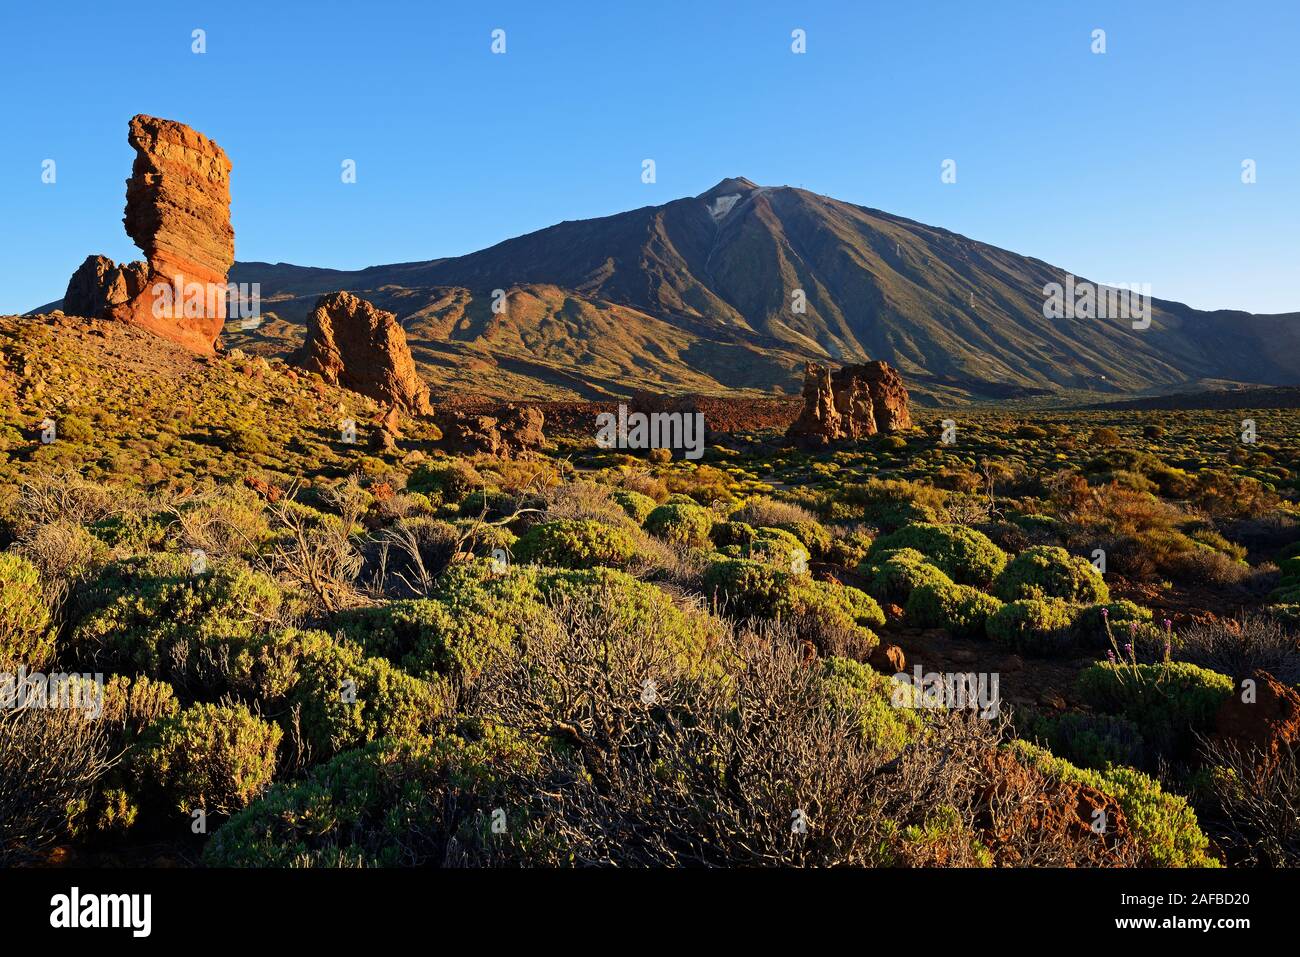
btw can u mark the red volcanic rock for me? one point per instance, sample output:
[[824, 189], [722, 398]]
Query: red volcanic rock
[[889, 398], [1267, 725], [99, 284], [178, 213], [352, 344], [819, 422], [855, 402], [514, 430]]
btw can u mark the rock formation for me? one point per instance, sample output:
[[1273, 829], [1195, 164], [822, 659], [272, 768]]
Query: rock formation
[[99, 283], [352, 344], [854, 402], [1268, 725], [178, 213], [514, 430]]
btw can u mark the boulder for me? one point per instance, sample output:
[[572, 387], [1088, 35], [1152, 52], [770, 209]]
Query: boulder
[[352, 344], [99, 284]]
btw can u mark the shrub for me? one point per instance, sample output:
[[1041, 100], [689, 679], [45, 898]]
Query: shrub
[[1033, 626], [451, 481], [572, 543], [894, 575], [681, 523], [822, 612], [637, 506], [346, 699], [25, 634], [968, 557], [961, 609], [214, 757], [886, 503], [1046, 571], [429, 637], [1164, 825], [1238, 648], [847, 548], [386, 804], [870, 695], [1170, 702], [156, 616], [1087, 740]]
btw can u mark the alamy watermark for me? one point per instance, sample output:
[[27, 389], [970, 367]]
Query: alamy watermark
[[947, 691], [682, 431], [1079, 299], [70, 691]]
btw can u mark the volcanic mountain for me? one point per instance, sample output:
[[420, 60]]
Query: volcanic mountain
[[736, 287]]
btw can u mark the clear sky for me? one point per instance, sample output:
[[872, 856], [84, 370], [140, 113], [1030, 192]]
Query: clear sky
[[1123, 167]]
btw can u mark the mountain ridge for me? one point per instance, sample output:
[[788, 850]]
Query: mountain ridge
[[737, 286]]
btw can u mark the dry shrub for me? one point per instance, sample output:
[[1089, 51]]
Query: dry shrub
[[1238, 647], [1258, 803], [748, 761], [50, 759], [646, 484], [772, 513]]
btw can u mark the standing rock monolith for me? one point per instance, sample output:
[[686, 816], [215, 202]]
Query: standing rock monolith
[[178, 213]]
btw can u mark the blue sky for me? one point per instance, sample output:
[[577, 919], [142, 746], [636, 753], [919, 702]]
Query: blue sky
[[1122, 167]]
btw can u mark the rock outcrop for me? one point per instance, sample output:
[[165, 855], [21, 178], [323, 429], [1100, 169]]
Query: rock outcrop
[[1268, 725], [513, 430], [854, 402], [178, 213], [99, 284], [351, 343]]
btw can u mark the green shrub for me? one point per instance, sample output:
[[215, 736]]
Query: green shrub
[[346, 699], [214, 757], [961, 609], [1033, 626], [637, 506], [812, 535], [847, 548], [386, 804], [1171, 702], [854, 684], [681, 523], [575, 543], [896, 574], [445, 481], [25, 634], [1163, 825], [1087, 740], [748, 589], [886, 503], [727, 534], [968, 557], [427, 637], [1047, 571], [154, 615]]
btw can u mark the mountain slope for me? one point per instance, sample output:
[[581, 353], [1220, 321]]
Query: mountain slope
[[699, 294]]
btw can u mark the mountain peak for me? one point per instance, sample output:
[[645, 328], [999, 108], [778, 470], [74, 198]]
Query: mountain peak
[[730, 185]]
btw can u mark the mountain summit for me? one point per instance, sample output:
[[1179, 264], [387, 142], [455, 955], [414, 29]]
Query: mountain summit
[[738, 286]]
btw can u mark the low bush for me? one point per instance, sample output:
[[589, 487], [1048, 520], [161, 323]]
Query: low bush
[[575, 543], [681, 523], [1034, 626], [1046, 571], [962, 610], [216, 758], [26, 637], [1171, 702], [968, 557]]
